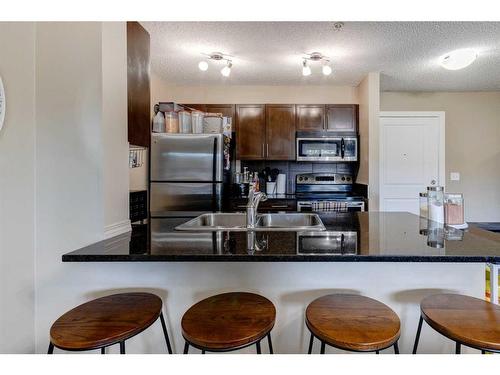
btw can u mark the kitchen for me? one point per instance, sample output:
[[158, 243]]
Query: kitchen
[[322, 137]]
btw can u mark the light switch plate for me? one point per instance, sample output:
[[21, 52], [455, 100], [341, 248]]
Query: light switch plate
[[455, 176]]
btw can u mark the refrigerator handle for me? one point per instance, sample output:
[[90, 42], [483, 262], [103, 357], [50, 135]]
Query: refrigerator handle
[[214, 176]]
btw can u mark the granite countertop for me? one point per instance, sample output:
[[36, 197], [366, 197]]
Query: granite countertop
[[350, 237]]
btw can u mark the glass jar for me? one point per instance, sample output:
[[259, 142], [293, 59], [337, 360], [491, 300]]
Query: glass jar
[[454, 209], [171, 122], [435, 201]]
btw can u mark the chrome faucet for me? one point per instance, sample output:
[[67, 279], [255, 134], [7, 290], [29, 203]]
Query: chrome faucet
[[254, 198]]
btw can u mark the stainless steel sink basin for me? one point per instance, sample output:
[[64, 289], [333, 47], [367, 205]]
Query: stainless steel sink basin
[[292, 222], [215, 222]]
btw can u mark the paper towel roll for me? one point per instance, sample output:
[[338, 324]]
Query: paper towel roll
[[281, 184]]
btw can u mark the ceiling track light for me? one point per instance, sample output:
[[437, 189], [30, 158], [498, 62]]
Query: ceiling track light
[[316, 57], [217, 56], [306, 70], [226, 71]]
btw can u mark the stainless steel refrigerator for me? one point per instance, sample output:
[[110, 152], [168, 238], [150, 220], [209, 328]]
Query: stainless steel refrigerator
[[187, 174]]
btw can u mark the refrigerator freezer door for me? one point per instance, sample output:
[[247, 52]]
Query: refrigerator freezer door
[[167, 198], [187, 157]]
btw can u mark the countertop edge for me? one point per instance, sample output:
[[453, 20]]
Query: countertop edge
[[285, 259]]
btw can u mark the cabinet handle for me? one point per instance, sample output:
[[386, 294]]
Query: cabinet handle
[[279, 206], [263, 154], [267, 149]]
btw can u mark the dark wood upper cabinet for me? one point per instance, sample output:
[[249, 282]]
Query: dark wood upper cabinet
[[280, 132], [310, 116], [226, 109], [138, 85], [342, 117], [250, 131]]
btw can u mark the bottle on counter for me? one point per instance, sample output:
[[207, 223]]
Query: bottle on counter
[[158, 121], [435, 201], [256, 182]]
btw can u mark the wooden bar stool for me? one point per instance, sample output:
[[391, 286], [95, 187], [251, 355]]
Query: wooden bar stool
[[227, 322], [107, 321], [352, 322], [466, 320]]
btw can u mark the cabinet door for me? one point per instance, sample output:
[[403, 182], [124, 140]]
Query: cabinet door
[[310, 116], [280, 132], [250, 131], [342, 117], [138, 81], [199, 107], [226, 109]]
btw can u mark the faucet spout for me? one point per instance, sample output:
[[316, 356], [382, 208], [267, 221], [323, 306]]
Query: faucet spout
[[254, 198]]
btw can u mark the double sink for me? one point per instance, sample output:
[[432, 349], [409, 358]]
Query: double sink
[[282, 222]]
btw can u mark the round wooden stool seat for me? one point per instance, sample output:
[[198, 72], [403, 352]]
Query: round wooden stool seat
[[106, 321], [463, 319], [352, 322], [228, 321]]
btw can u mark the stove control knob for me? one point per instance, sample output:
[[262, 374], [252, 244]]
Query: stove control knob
[[348, 178], [301, 178], [306, 178], [343, 178]]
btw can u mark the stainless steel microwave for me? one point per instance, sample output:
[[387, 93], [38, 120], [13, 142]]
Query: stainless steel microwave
[[314, 146]]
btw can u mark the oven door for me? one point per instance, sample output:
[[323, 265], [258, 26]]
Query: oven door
[[327, 149], [327, 206]]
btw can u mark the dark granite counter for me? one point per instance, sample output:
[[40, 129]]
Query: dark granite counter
[[352, 237]]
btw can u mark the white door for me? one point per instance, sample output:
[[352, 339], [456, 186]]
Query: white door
[[411, 157]]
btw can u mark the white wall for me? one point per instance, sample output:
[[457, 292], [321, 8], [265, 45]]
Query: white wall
[[472, 143], [70, 160], [369, 108], [114, 128], [17, 189], [230, 94]]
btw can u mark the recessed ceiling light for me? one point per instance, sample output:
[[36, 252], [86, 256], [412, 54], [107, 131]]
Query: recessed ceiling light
[[458, 59]]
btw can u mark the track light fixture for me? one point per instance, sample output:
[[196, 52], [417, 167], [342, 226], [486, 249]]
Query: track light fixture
[[316, 57], [217, 56]]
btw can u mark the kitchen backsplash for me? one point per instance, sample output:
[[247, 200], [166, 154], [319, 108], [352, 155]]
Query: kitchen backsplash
[[293, 168]]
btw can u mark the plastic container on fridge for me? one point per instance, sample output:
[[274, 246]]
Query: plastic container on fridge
[[171, 122], [185, 122]]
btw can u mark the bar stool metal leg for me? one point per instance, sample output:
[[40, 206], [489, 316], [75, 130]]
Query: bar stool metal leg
[[420, 321], [257, 344], [270, 343], [103, 350], [165, 333], [51, 348], [396, 348], [322, 347], [122, 347], [186, 347], [311, 340], [457, 348]]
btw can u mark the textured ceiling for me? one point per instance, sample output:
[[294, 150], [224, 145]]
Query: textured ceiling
[[269, 53]]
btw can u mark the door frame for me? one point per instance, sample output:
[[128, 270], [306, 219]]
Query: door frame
[[440, 115]]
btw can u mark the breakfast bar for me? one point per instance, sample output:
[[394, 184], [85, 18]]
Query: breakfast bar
[[355, 254]]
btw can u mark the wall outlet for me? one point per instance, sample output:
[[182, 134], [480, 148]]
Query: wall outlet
[[455, 176]]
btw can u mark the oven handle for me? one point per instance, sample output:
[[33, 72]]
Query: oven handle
[[342, 148]]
